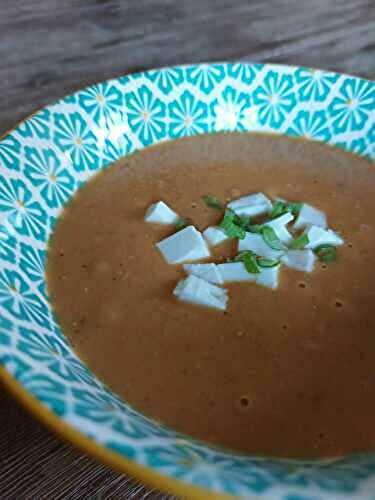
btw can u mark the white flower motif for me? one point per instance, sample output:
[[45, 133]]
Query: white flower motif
[[50, 173], [228, 114], [165, 78], [75, 138], [352, 107], [146, 114], [20, 210], [206, 76], [17, 297], [188, 116], [101, 100]]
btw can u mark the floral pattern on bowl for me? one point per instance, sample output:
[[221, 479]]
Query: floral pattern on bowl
[[46, 158]]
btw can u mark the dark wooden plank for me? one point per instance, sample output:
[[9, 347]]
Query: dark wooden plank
[[50, 48], [59, 46]]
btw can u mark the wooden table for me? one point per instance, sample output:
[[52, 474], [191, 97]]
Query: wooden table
[[50, 48]]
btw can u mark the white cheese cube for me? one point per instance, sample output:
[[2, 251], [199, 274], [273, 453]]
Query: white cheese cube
[[184, 246], [251, 205], [310, 216], [214, 235], [318, 236], [269, 277], [302, 260], [160, 213], [197, 291], [255, 242], [235, 271], [208, 272], [279, 226]]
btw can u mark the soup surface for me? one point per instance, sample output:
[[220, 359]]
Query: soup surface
[[288, 372]]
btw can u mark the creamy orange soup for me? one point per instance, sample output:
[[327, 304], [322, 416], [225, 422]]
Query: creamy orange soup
[[286, 372]]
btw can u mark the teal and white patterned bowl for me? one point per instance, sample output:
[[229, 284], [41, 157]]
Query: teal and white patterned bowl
[[46, 158]]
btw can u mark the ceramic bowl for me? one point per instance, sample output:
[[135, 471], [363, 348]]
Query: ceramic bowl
[[47, 157]]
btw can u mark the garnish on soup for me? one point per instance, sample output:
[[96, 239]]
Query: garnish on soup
[[263, 247]]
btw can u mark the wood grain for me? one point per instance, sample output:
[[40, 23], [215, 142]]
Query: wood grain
[[51, 48], [54, 47]]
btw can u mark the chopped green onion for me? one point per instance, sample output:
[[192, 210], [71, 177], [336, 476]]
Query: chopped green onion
[[326, 253], [255, 228], [181, 223], [271, 238], [239, 256], [262, 262], [250, 262], [279, 208], [231, 225], [245, 222], [236, 218], [300, 242], [249, 259], [282, 207], [295, 208], [212, 201]]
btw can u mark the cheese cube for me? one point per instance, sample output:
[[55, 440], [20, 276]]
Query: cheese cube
[[214, 235], [279, 226], [269, 277], [255, 242], [318, 236], [302, 260], [184, 246], [198, 291], [160, 213], [208, 272], [251, 205], [310, 216], [235, 271]]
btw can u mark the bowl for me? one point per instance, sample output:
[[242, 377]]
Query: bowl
[[47, 157]]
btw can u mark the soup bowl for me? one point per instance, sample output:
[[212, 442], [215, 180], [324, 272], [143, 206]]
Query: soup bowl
[[47, 157]]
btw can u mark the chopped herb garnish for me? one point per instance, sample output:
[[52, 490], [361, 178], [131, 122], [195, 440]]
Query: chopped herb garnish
[[212, 201], [181, 223], [300, 242], [262, 262], [249, 259], [295, 208], [271, 238], [231, 225], [279, 208], [282, 207], [255, 228], [245, 222], [326, 253], [250, 262]]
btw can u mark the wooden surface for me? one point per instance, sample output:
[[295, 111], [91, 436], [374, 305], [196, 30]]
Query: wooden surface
[[49, 48]]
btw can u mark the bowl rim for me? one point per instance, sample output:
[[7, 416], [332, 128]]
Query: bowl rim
[[100, 452], [67, 431]]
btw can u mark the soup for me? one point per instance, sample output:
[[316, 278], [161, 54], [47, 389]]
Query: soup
[[286, 372]]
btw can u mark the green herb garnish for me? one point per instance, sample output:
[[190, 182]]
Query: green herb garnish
[[262, 262], [300, 242], [326, 253], [271, 238], [245, 222], [231, 225], [181, 223], [279, 208], [212, 202], [282, 207], [295, 208], [255, 228], [249, 259]]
